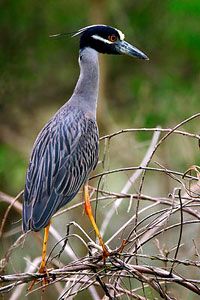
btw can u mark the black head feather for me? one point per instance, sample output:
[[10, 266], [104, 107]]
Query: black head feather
[[99, 38]]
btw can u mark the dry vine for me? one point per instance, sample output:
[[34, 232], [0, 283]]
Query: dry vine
[[141, 265]]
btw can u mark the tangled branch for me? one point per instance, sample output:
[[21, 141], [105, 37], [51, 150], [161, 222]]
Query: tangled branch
[[143, 256]]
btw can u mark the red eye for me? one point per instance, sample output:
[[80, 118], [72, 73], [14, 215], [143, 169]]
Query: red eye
[[112, 38]]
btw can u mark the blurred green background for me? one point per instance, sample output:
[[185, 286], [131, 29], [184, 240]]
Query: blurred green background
[[38, 74]]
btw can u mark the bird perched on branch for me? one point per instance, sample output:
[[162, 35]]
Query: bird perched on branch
[[66, 149]]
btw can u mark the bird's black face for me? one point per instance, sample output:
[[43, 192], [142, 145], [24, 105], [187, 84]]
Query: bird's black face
[[106, 39], [101, 38]]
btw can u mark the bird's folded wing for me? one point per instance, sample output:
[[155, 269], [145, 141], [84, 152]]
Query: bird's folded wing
[[62, 158]]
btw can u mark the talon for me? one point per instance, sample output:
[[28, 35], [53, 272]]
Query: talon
[[45, 280], [31, 285], [106, 253], [121, 248]]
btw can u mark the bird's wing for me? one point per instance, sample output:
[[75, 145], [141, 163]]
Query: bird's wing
[[62, 158]]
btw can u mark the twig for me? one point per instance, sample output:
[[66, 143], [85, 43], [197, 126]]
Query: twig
[[8, 199], [156, 129], [129, 183], [7, 212], [181, 231], [125, 169]]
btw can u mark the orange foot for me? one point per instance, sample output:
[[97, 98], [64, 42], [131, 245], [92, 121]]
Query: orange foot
[[106, 252], [45, 280], [123, 244]]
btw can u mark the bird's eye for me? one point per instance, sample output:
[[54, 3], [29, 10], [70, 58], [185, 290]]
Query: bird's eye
[[112, 38]]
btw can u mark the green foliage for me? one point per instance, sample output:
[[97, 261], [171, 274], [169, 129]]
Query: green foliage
[[12, 167], [37, 73]]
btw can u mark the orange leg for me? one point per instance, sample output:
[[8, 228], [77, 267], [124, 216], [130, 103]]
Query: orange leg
[[43, 269], [88, 211]]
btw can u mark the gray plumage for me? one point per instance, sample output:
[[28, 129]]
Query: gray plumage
[[65, 151]]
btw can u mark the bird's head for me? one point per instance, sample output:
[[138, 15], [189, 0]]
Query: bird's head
[[107, 39]]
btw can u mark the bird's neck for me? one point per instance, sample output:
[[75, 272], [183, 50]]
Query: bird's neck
[[86, 91]]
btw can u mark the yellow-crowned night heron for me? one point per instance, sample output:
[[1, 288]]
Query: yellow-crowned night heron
[[66, 150]]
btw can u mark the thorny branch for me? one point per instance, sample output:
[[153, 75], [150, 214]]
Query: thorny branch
[[136, 263]]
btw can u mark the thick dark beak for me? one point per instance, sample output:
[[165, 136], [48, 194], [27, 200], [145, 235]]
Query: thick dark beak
[[123, 47]]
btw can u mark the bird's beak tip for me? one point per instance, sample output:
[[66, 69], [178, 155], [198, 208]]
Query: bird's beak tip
[[146, 58], [140, 55]]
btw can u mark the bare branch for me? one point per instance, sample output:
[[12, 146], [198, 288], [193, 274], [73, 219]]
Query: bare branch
[[159, 228]]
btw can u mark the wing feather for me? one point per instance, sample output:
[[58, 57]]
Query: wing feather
[[63, 155]]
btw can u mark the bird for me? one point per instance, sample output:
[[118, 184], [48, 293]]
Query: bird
[[66, 150]]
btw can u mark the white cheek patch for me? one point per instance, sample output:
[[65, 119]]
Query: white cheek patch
[[121, 35], [97, 37]]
